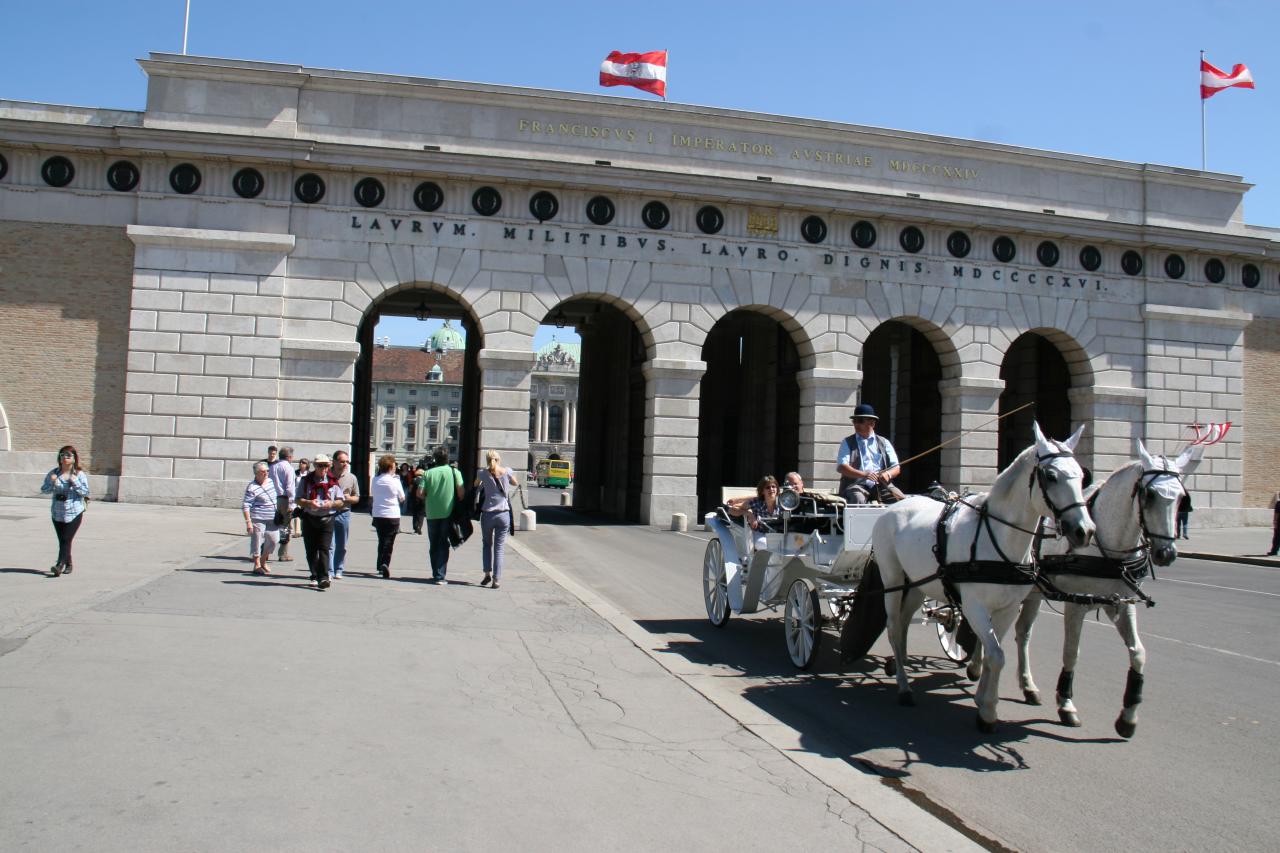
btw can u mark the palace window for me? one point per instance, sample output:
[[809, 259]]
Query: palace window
[[555, 424], [388, 430], [413, 411], [410, 431]]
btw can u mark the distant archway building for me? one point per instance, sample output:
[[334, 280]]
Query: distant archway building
[[201, 279], [417, 394], [553, 401]]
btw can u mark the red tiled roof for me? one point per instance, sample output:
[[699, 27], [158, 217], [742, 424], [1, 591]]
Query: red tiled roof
[[410, 364]]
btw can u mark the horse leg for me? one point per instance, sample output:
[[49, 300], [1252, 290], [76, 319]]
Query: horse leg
[[896, 623], [987, 693], [1072, 624], [1022, 629], [973, 668], [1127, 625]]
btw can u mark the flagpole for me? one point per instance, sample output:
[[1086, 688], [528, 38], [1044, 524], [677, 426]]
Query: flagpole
[[185, 22], [1203, 151]]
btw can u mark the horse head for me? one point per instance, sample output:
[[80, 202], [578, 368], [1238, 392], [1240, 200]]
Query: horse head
[[1059, 479], [1157, 493]]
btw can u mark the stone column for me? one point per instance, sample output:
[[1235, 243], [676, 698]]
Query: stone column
[[571, 413], [1195, 374], [504, 404], [969, 402], [671, 439], [1114, 417], [827, 397], [544, 419]]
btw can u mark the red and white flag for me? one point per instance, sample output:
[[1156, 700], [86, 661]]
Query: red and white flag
[[646, 71], [1214, 80]]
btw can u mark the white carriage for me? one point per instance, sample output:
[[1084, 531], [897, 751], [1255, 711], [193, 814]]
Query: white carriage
[[814, 564]]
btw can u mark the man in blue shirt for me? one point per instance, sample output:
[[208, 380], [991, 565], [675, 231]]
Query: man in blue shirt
[[867, 462]]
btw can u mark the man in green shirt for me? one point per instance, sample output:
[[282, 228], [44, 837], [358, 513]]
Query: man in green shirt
[[441, 487]]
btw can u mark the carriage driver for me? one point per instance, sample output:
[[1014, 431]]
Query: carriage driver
[[867, 462]]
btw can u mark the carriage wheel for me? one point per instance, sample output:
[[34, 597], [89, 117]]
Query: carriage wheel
[[802, 621], [715, 584], [866, 620], [954, 634]]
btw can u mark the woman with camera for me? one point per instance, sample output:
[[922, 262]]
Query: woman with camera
[[70, 489]]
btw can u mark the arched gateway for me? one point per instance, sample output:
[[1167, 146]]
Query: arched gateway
[[243, 231]]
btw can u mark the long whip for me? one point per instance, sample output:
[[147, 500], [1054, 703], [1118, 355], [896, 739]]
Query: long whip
[[937, 447]]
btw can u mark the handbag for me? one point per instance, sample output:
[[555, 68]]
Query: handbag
[[475, 501]]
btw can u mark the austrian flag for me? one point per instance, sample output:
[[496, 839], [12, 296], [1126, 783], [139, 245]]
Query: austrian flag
[[1214, 80], [646, 71]]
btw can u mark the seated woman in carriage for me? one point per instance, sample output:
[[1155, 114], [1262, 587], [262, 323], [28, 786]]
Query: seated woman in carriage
[[760, 510]]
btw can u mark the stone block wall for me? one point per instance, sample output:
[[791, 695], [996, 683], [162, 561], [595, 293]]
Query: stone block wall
[[1262, 432]]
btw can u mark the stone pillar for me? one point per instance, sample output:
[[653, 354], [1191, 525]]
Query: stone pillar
[[1195, 374], [544, 419], [969, 402], [827, 398], [504, 404], [671, 439], [1113, 418], [572, 414]]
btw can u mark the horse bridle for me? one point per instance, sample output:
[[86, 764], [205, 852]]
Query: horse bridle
[[1038, 478], [1143, 486]]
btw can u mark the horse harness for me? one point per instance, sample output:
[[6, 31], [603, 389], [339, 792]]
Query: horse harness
[[1130, 566]]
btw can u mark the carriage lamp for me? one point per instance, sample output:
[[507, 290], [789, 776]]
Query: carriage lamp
[[788, 500]]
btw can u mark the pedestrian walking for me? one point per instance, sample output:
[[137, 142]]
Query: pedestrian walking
[[1275, 528], [260, 506], [494, 484], [388, 496], [320, 498], [342, 518], [69, 486], [1184, 514], [442, 486], [286, 484], [419, 507], [273, 453]]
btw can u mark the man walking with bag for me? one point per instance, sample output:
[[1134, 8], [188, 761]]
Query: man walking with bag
[[441, 487]]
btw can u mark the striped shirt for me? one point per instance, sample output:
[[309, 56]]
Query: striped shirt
[[260, 501], [69, 494]]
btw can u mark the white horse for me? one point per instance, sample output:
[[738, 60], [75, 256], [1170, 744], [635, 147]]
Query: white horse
[[987, 549], [1135, 511]]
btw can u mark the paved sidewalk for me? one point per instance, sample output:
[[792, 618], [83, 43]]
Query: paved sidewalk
[[1230, 544], [162, 698]]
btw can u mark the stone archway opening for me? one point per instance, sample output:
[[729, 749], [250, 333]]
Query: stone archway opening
[[900, 375], [749, 410], [598, 421], [417, 397], [1034, 371]]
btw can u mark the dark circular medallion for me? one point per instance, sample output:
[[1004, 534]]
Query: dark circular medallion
[[248, 183], [958, 244], [428, 196], [1215, 270], [543, 205], [1131, 263], [309, 188], [710, 220], [184, 178], [863, 234], [4, 167], [487, 201], [655, 215], [1174, 266], [369, 192], [1047, 253], [911, 239], [122, 176], [600, 210], [1250, 276], [1004, 249], [813, 229], [57, 171], [1090, 258]]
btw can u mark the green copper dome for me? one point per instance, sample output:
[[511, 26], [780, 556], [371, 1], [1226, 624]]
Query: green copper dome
[[447, 338]]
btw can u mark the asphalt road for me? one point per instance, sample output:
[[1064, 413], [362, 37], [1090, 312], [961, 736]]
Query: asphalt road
[[1198, 775]]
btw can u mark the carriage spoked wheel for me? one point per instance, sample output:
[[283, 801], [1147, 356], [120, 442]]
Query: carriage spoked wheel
[[802, 622], [715, 584], [954, 634]]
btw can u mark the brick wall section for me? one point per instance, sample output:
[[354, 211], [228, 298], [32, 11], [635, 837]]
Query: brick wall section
[[64, 319], [1262, 432]]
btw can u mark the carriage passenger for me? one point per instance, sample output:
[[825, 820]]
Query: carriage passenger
[[760, 510]]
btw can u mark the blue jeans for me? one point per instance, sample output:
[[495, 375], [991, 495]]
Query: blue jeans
[[438, 536], [338, 553], [494, 527]]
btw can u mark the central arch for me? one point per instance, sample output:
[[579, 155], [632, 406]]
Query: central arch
[[423, 300]]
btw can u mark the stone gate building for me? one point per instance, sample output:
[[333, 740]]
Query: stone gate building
[[185, 285]]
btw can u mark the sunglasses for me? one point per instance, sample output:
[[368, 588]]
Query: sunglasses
[[864, 420], [67, 456]]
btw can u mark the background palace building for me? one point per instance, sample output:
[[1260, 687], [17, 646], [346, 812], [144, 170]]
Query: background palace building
[[183, 286]]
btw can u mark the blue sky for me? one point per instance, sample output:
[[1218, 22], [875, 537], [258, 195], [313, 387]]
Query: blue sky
[[1117, 79]]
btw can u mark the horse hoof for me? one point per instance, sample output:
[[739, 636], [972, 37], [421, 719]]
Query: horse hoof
[[986, 728], [1124, 728], [890, 667], [971, 673], [906, 700], [1032, 696], [1069, 718]]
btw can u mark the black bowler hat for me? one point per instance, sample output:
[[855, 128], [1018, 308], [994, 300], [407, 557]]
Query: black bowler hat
[[864, 410]]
